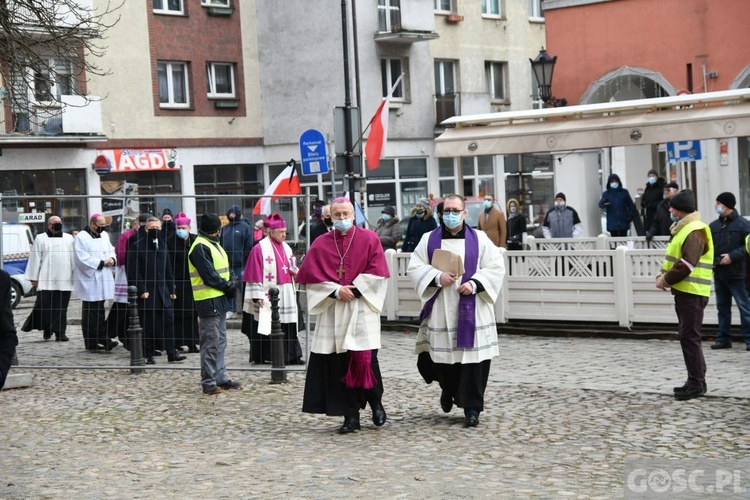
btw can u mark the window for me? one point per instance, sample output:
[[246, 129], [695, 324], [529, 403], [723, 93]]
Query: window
[[173, 85], [496, 78], [220, 79], [390, 70], [491, 8], [389, 15], [53, 81], [535, 9], [446, 96], [168, 6], [215, 3], [444, 6]]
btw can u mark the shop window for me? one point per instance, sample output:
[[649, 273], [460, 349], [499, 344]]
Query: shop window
[[386, 170], [478, 175], [168, 6], [220, 80], [173, 84]]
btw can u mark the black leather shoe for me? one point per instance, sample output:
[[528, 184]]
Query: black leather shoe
[[378, 414], [61, 338], [472, 420], [721, 345], [446, 402], [174, 358], [690, 393], [111, 344], [157, 353], [47, 335], [150, 360], [684, 388], [351, 424]]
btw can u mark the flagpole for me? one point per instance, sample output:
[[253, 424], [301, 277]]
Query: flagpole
[[390, 93], [347, 106]]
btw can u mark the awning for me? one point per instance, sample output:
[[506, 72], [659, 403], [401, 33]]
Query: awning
[[627, 123]]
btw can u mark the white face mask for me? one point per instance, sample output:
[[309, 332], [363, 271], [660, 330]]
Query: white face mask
[[343, 225]]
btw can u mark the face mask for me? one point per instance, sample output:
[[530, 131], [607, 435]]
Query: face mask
[[559, 205], [419, 212], [452, 221], [57, 227], [182, 234], [102, 229], [652, 180], [386, 217], [318, 213], [153, 233], [343, 225], [513, 210], [614, 185], [674, 218], [328, 221], [719, 210], [487, 204]]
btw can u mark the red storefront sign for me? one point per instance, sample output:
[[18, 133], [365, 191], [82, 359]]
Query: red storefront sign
[[141, 160]]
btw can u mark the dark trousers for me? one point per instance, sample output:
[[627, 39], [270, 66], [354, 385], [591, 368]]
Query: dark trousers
[[93, 324], [158, 330], [689, 309], [465, 383], [326, 393], [621, 232]]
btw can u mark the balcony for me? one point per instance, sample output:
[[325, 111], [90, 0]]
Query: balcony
[[392, 31], [446, 106], [76, 120]]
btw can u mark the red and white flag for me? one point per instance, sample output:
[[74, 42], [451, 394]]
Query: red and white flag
[[378, 137], [287, 182]]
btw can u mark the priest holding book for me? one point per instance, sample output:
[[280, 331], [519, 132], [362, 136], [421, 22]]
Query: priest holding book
[[345, 272], [457, 337]]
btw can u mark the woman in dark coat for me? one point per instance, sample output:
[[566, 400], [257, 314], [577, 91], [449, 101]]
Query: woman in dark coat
[[619, 206], [185, 317], [516, 225], [652, 196], [420, 222]]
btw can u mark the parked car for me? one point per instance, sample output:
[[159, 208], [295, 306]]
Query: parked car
[[17, 242]]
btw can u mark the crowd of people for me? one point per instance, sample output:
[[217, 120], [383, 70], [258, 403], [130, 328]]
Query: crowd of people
[[188, 285]]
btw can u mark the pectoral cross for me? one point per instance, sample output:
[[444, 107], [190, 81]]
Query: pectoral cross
[[340, 271]]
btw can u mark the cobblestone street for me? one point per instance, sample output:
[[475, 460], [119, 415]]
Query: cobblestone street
[[562, 416]]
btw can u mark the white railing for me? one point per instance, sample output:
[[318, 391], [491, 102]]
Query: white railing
[[601, 285]]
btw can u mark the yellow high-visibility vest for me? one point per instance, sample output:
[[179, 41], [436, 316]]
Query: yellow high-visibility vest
[[698, 281], [201, 291]]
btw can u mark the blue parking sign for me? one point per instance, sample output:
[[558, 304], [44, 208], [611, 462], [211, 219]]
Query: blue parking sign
[[312, 148], [683, 151]]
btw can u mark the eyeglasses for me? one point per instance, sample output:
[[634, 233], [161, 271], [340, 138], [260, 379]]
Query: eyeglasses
[[452, 210]]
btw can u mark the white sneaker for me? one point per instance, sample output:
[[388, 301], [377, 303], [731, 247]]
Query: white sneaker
[[230, 315]]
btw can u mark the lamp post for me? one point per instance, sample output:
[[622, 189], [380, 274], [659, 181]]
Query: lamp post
[[543, 67]]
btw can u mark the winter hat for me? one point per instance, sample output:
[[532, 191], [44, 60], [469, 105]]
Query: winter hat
[[209, 223], [727, 199], [319, 203], [275, 221], [166, 211], [182, 219], [389, 210], [424, 202], [684, 201], [672, 185], [234, 209], [561, 195], [653, 172]]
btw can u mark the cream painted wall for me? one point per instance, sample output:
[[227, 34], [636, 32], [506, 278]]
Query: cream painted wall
[[128, 105]]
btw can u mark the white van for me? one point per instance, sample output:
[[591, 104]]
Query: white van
[[17, 242]]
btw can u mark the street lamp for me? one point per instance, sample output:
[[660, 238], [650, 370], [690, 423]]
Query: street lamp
[[543, 67]]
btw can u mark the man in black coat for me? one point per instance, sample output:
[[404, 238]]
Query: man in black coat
[[185, 317], [8, 337], [149, 270], [662, 222], [652, 197]]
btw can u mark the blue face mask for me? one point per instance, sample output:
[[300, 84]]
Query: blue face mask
[[719, 209], [343, 225], [487, 204], [614, 185], [652, 180], [318, 212], [182, 233], [385, 217], [674, 218], [452, 221]]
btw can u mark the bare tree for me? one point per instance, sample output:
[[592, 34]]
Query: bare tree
[[49, 49]]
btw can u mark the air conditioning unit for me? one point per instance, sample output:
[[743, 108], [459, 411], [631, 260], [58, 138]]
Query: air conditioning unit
[[81, 115]]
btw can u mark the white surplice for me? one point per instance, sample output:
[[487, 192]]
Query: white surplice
[[90, 283], [358, 321], [51, 262], [438, 333]]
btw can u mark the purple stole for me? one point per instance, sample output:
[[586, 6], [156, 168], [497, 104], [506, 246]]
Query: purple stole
[[466, 303]]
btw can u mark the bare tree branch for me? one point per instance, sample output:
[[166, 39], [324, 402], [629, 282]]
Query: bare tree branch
[[50, 49]]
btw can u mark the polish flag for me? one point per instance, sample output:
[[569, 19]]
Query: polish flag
[[378, 137], [286, 183]]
